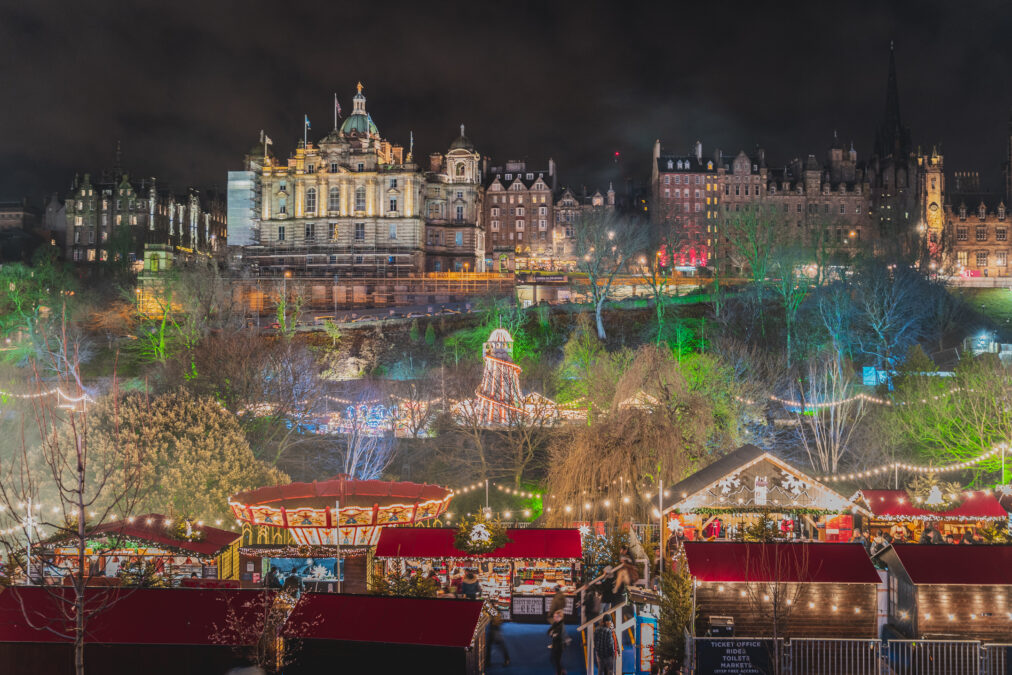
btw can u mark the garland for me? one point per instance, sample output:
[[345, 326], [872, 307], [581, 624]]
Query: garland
[[929, 493], [480, 535], [738, 511]]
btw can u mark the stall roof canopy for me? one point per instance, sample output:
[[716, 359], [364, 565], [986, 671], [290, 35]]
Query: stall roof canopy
[[369, 618], [988, 565], [751, 478], [782, 562], [350, 492], [152, 528], [170, 616], [896, 504], [425, 542]]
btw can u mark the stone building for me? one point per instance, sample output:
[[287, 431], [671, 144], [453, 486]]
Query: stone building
[[454, 233], [117, 216], [976, 232], [519, 213], [569, 208], [349, 206], [686, 202]]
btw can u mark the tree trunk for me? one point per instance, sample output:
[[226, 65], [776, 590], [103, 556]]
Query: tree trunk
[[600, 324]]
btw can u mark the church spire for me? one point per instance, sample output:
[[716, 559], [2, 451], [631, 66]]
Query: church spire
[[892, 138]]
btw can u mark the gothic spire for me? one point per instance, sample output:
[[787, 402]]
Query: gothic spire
[[892, 138]]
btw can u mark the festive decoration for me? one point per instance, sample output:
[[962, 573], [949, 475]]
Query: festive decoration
[[185, 529], [887, 468], [927, 492], [480, 535], [739, 511], [498, 396]]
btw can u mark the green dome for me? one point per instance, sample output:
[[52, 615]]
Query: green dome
[[359, 123]]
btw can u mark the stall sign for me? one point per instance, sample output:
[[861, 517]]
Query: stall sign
[[568, 608], [734, 657], [646, 630], [527, 606], [759, 497]]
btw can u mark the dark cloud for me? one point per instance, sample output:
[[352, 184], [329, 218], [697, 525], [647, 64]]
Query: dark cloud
[[187, 86]]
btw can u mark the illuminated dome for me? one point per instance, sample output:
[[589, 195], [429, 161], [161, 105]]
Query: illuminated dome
[[310, 510], [359, 122], [462, 142]]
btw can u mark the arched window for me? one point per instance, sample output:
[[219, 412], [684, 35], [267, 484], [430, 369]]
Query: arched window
[[334, 199], [311, 200], [360, 199], [460, 169]]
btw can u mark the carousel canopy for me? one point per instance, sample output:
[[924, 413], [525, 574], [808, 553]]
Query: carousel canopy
[[424, 542], [751, 479], [895, 505], [165, 616], [807, 562], [969, 565], [153, 529], [370, 618]]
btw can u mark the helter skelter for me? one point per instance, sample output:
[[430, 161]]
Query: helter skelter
[[498, 397]]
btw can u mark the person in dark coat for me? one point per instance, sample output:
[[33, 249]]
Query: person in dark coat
[[495, 637], [470, 588], [605, 646], [557, 632]]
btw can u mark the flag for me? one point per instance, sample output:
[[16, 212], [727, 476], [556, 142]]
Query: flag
[[307, 122], [267, 140], [337, 106]]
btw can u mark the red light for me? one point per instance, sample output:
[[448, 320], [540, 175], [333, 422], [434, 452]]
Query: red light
[[616, 153]]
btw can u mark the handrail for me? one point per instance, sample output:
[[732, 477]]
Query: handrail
[[599, 617], [591, 582]]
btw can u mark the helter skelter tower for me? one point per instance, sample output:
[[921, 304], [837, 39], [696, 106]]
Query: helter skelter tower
[[498, 396]]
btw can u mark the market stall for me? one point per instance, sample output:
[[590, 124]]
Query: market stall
[[903, 513], [322, 531], [721, 499], [150, 545], [521, 577]]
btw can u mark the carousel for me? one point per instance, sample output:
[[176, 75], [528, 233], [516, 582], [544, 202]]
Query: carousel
[[315, 530]]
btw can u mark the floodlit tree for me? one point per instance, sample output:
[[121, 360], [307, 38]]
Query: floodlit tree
[[27, 290], [655, 265], [890, 304], [605, 242], [825, 431], [188, 454], [677, 613], [791, 284]]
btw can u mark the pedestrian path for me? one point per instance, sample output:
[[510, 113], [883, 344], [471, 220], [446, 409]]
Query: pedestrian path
[[528, 646]]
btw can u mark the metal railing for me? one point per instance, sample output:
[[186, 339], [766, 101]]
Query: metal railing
[[817, 656]]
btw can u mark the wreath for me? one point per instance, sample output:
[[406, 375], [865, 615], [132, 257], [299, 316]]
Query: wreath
[[185, 529], [480, 535], [929, 493]]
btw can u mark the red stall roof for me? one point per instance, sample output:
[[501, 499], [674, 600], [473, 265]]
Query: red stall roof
[[151, 528], [788, 562], [134, 616], [367, 618], [350, 492], [987, 565], [426, 542], [896, 504]]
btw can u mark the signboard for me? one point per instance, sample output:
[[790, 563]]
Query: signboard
[[734, 657], [646, 640], [760, 491], [527, 606]]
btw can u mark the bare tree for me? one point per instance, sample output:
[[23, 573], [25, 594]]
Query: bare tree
[[775, 576], [656, 264], [368, 448], [791, 284], [79, 497], [890, 302], [526, 434], [824, 428], [605, 242], [750, 236]]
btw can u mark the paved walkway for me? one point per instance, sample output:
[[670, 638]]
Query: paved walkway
[[528, 646]]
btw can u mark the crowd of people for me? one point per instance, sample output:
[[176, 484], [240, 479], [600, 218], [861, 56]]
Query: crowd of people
[[878, 541]]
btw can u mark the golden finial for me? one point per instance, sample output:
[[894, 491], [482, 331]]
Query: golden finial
[[360, 87]]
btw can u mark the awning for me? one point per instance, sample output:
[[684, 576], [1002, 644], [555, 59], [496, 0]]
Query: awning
[[423, 542], [152, 528], [989, 565], [819, 563], [895, 505]]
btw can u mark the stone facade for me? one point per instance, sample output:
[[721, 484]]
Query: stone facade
[[686, 200], [569, 207], [454, 233], [119, 216], [520, 216]]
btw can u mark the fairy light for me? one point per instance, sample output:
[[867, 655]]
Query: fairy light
[[958, 466]]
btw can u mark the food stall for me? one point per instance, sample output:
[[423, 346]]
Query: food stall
[[902, 515], [151, 544], [721, 499], [322, 531], [521, 577]]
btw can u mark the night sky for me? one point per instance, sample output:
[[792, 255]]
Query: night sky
[[187, 86]]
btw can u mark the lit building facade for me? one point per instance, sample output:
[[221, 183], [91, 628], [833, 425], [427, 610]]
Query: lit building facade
[[519, 213], [454, 232]]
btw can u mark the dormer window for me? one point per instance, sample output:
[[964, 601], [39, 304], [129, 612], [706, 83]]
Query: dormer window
[[530, 176], [709, 166], [962, 212], [679, 164], [1001, 212], [982, 212], [509, 176], [671, 165]]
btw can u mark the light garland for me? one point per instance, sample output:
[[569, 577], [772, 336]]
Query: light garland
[[808, 405], [886, 468], [55, 391]]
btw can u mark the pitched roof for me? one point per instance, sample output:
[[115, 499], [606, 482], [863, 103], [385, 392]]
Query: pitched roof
[[169, 616], [151, 527], [713, 472], [781, 562], [954, 564], [435, 622], [896, 504], [426, 542], [350, 492]]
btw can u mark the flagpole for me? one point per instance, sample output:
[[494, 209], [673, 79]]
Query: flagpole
[[305, 131], [335, 111]]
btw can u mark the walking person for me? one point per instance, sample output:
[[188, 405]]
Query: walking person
[[606, 646], [495, 637], [557, 631], [470, 588]]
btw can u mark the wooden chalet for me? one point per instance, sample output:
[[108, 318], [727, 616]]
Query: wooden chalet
[[813, 590], [719, 499], [950, 592], [892, 511]]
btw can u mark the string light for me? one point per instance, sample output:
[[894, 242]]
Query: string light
[[914, 468]]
